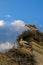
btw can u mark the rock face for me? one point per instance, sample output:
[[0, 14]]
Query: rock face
[[32, 27], [18, 56], [34, 37], [29, 51]]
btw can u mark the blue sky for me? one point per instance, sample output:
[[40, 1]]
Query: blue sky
[[30, 11], [14, 14]]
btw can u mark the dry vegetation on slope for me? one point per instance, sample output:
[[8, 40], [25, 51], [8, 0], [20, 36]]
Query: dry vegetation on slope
[[29, 51]]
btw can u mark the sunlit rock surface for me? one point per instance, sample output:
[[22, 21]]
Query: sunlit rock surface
[[28, 52]]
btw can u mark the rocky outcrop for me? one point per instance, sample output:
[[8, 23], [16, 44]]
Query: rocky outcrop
[[18, 56], [29, 51], [32, 27], [34, 37]]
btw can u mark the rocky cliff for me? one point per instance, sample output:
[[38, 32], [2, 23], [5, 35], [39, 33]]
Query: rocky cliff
[[28, 52]]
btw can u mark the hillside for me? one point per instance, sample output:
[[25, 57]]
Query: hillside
[[28, 52]]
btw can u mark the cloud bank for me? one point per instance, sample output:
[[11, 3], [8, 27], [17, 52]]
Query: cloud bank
[[18, 23], [5, 46], [9, 32]]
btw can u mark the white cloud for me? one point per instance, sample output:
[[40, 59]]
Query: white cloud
[[18, 23], [2, 22], [8, 16], [6, 45], [9, 32]]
